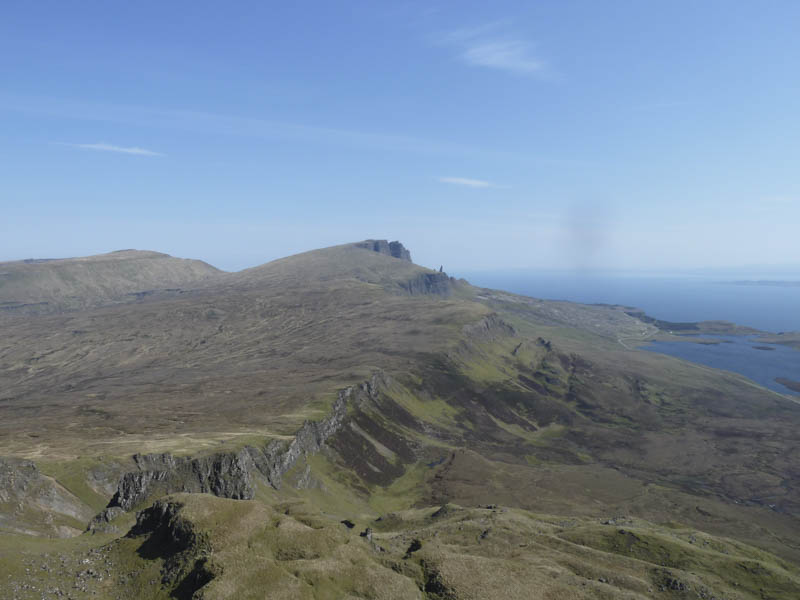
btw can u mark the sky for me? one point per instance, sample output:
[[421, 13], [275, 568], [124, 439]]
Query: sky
[[483, 135]]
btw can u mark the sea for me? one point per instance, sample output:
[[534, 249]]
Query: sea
[[771, 305]]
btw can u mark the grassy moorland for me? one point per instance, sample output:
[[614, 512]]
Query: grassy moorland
[[667, 477], [289, 549], [43, 286]]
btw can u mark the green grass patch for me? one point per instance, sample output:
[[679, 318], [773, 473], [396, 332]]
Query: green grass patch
[[73, 475]]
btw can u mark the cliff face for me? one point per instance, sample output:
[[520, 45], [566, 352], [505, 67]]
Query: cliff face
[[394, 249], [489, 328], [277, 458], [422, 284], [222, 474], [437, 284], [227, 474]]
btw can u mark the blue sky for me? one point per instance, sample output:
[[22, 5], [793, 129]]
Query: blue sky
[[624, 134]]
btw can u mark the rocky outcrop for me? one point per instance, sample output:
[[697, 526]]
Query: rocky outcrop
[[424, 283], [102, 522], [222, 474], [17, 476], [490, 327], [184, 550], [229, 474], [394, 249], [162, 518], [277, 457], [397, 250], [33, 503], [436, 283]]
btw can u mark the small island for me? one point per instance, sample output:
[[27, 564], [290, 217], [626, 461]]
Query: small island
[[766, 282], [792, 385], [785, 338]]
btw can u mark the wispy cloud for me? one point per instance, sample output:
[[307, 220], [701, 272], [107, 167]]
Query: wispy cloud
[[103, 147], [473, 183], [510, 55], [249, 127], [492, 46]]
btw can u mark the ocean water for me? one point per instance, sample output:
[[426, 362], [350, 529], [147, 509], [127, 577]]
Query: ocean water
[[772, 308], [766, 307], [740, 354]]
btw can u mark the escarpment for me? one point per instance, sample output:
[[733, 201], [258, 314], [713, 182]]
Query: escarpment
[[393, 249], [277, 458], [489, 328], [429, 284], [229, 474], [221, 474]]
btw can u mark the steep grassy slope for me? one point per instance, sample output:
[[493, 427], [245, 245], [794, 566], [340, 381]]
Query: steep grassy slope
[[425, 391], [51, 286]]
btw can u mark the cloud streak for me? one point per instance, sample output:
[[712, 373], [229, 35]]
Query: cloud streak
[[509, 55], [489, 47], [463, 181], [103, 147], [258, 128]]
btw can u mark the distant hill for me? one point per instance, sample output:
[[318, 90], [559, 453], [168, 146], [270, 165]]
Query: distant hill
[[38, 286], [373, 262]]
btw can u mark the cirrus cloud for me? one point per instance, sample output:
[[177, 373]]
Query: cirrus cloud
[[489, 46], [466, 182], [103, 147]]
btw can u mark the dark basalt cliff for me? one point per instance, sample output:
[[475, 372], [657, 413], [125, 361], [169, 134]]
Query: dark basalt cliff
[[177, 542], [222, 474], [227, 474], [395, 249], [438, 283], [422, 284]]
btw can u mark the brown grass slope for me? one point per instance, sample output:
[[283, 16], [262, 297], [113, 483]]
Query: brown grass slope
[[55, 285], [254, 353]]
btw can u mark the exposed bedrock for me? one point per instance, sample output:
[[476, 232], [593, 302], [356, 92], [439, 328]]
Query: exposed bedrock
[[229, 474], [490, 327], [223, 474], [33, 503], [185, 551], [395, 249], [16, 477], [438, 284]]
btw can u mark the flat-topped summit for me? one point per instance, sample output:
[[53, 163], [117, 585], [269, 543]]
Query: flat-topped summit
[[114, 255], [57, 284]]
